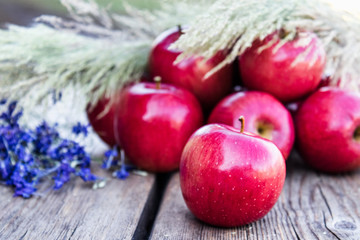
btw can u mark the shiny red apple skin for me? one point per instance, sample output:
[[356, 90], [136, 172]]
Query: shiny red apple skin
[[257, 108], [325, 126], [278, 72], [102, 119], [155, 124], [230, 178], [190, 73]]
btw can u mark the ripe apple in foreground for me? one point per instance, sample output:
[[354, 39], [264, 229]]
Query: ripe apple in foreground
[[102, 118], [265, 116], [155, 121], [230, 178], [328, 130], [190, 73], [288, 72]]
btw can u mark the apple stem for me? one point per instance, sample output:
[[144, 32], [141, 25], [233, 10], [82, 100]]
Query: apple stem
[[180, 29], [157, 81], [357, 134], [242, 121], [284, 34]]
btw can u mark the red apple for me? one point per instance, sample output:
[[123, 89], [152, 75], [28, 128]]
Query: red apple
[[265, 116], [229, 178], [154, 124], [190, 73], [102, 119], [289, 72], [328, 130]]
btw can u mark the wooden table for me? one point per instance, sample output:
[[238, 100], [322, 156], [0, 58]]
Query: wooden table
[[312, 206]]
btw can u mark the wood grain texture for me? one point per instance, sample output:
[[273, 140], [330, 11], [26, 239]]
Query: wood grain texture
[[312, 206], [77, 211]]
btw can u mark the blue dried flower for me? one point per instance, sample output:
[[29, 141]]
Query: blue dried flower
[[26, 156], [6, 168], [45, 136], [23, 180], [111, 159], [80, 129], [56, 96], [71, 156], [86, 175], [61, 178], [122, 173], [8, 117]]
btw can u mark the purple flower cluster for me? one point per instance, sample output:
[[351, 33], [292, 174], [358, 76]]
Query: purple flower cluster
[[27, 156], [112, 158], [80, 129]]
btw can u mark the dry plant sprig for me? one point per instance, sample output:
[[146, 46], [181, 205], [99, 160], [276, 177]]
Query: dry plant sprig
[[236, 27], [39, 60], [99, 51], [96, 52]]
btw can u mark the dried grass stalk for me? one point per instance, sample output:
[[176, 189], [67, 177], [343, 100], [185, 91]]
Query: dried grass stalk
[[96, 52], [236, 27], [99, 51]]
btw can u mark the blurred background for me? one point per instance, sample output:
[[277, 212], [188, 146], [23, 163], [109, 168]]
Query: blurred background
[[22, 11]]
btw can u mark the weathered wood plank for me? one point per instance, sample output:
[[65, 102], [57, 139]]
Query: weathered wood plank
[[77, 211], [312, 206]]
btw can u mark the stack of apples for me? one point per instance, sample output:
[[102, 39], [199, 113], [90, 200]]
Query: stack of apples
[[232, 169]]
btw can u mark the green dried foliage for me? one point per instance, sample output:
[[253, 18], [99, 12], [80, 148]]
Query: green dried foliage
[[36, 61], [235, 28], [96, 53], [99, 51]]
